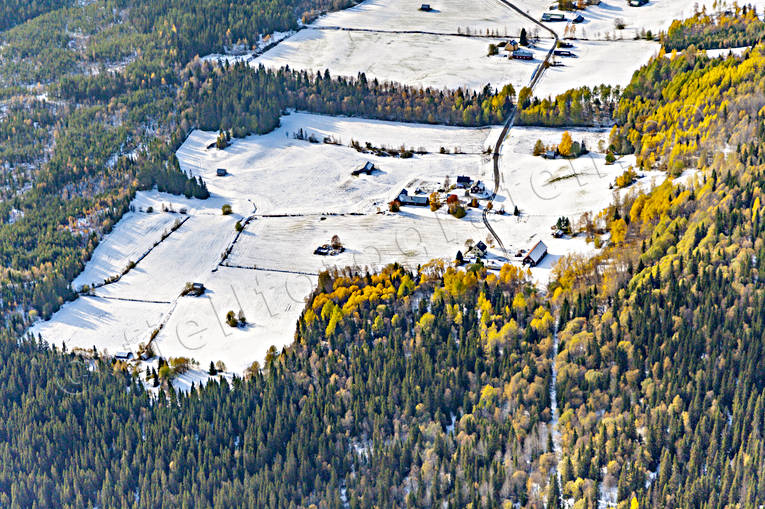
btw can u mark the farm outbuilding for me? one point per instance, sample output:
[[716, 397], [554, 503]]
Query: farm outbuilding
[[404, 198], [522, 54], [367, 169], [554, 16], [535, 255]]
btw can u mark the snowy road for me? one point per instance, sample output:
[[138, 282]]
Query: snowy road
[[511, 121]]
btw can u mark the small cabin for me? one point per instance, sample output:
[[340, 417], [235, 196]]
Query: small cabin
[[578, 19], [463, 181], [522, 54], [404, 198], [123, 356], [197, 289], [512, 45], [564, 53], [426, 8], [367, 169], [221, 172], [322, 250], [480, 248], [535, 255], [637, 3]]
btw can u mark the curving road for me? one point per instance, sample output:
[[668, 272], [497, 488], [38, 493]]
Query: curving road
[[510, 122]]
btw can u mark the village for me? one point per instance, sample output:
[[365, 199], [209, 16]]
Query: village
[[323, 192]]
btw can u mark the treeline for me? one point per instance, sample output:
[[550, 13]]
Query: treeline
[[734, 28], [250, 100], [402, 390]]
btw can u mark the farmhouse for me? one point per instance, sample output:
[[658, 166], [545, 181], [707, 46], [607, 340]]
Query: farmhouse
[[221, 172], [522, 54], [367, 169], [404, 198], [480, 248], [464, 182], [536, 254]]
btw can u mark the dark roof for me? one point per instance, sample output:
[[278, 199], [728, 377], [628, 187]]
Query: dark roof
[[481, 246], [463, 178]]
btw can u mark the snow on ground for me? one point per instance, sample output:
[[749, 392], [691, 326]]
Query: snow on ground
[[714, 53], [453, 16], [447, 16], [271, 302], [414, 59], [109, 325], [137, 234], [188, 255], [596, 63], [414, 236], [280, 174], [600, 20]]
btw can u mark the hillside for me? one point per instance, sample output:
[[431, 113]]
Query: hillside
[[244, 264]]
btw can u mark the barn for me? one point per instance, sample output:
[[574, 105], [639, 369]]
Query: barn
[[535, 255]]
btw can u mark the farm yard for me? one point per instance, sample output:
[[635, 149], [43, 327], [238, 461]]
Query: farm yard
[[276, 199]]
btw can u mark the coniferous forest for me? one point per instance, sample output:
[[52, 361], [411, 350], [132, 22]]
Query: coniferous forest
[[403, 388]]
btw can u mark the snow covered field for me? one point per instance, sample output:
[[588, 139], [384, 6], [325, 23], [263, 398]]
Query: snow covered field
[[597, 63], [283, 175], [448, 16], [136, 235], [422, 60], [108, 324], [271, 268], [271, 302]]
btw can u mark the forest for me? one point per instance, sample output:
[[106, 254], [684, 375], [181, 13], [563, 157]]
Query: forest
[[735, 28]]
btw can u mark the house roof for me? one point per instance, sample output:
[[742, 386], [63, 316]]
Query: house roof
[[481, 245], [537, 252]]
